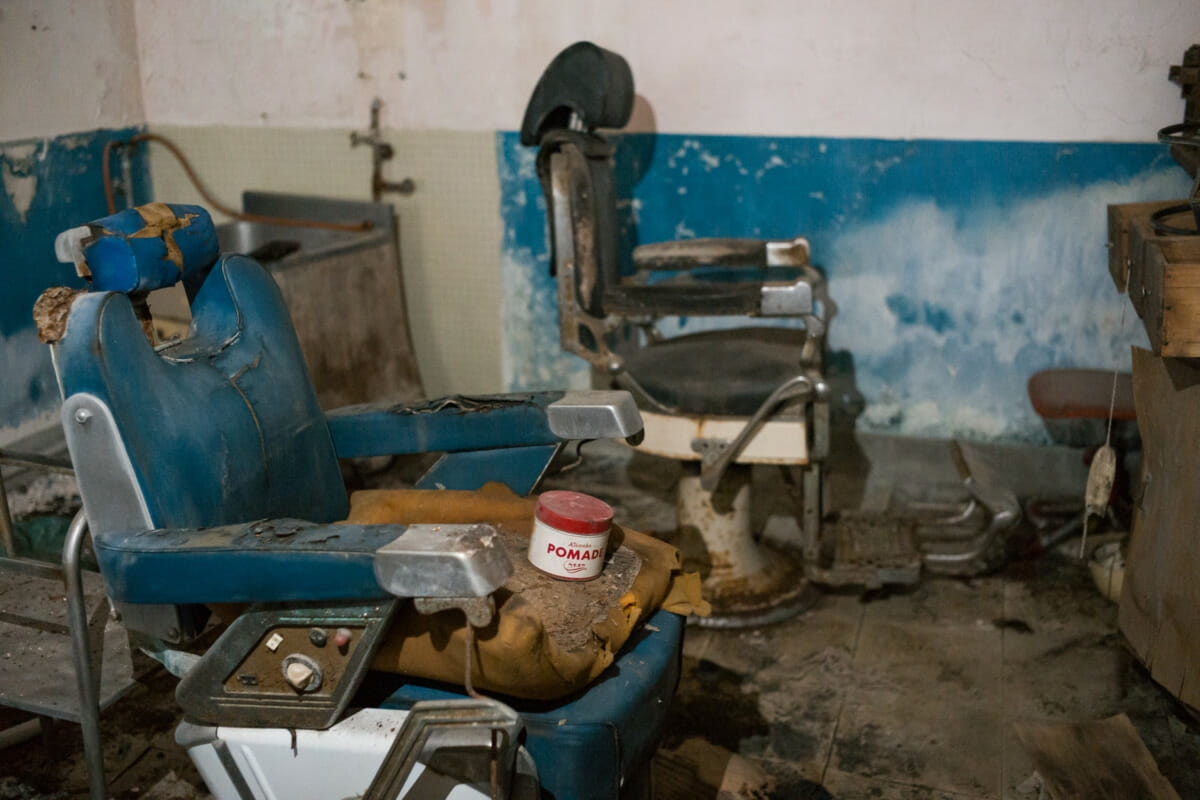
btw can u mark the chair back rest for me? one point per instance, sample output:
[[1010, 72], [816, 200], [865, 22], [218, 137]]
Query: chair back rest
[[584, 88], [218, 428], [584, 81], [582, 215]]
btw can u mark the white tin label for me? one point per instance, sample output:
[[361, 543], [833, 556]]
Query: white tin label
[[569, 556]]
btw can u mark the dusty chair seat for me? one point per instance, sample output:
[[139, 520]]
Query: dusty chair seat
[[1081, 394], [618, 720], [1074, 405], [721, 373]]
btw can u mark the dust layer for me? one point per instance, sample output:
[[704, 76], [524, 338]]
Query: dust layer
[[570, 608]]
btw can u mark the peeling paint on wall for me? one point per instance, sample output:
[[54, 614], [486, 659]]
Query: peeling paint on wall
[[20, 179], [49, 185], [960, 268], [27, 387], [530, 356]]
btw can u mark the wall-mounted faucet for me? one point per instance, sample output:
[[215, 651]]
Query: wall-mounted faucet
[[381, 151]]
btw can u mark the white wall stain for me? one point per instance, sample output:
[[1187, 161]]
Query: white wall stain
[[527, 163], [20, 181], [1013, 290], [531, 358], [682, 151], [737, 162], [774, 162], [882, 165], [991, 301]]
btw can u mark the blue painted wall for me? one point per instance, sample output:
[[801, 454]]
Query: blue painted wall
[[960, 267], [49, 185]]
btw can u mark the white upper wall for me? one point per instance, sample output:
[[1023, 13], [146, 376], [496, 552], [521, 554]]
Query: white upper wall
[[989, 69], [67, 67]]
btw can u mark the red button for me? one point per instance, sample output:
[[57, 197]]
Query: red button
[[574, 512]]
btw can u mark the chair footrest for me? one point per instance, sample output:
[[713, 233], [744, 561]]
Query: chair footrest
[[778, 441], [871, 550]]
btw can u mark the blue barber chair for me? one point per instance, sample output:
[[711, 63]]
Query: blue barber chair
[[210, 475]]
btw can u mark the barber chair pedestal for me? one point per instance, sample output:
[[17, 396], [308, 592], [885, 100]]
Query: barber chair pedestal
[[747, 581]]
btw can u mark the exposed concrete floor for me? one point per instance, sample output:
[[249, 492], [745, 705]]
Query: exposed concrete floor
[[909, 694], [915, 695], [884, 695]]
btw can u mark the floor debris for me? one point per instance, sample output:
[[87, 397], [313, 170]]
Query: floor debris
[[1103, 760]]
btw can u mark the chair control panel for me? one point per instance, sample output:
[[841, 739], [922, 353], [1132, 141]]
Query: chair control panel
[[285, 667]]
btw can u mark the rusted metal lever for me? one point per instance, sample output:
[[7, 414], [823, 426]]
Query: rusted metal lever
[[799, 386]]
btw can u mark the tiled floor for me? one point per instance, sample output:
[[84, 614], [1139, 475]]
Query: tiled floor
[[891, 696], [910, 694], [916, 694]]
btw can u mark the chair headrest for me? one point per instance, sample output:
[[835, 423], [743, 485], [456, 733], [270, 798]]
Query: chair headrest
[[141, 249], [585, 79]]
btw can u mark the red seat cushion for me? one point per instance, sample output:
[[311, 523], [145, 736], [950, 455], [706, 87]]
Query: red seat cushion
[[1081, 394]]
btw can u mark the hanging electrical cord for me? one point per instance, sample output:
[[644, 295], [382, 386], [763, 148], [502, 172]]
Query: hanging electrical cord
[[1103, 471], [208, 198]]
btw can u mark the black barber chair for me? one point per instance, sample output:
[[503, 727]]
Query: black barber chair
[[718, 401]]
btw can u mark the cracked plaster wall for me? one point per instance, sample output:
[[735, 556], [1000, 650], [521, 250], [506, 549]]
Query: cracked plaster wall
[[69, 77], [733, 80]]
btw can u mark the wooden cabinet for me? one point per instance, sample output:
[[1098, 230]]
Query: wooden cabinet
[[1161, 275]]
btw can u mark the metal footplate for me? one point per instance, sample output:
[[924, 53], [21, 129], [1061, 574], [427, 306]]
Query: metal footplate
[[870, 550], [475, 741], [285, 667]]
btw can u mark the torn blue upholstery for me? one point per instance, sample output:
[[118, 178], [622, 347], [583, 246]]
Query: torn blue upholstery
[[149, 247], [222, 427], [258, 562]]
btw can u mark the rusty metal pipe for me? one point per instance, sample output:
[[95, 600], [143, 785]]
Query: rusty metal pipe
[[212, 202]]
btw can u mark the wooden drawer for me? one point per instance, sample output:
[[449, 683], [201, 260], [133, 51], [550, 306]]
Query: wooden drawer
[[1163, 282], [1120, 218]]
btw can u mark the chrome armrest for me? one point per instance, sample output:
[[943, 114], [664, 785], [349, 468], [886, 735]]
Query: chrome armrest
[[748, 253], [787, 299], [716, 460], [446, 566], [443, 561], [595, 415]]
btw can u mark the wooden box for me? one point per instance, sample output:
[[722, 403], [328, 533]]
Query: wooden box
[[1119, 218], [1162, 278]]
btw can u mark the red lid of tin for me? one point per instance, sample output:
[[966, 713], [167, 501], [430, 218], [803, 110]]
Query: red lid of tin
[[573, 512]]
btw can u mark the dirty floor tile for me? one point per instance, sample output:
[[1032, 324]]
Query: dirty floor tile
[[846, 786], [918, 737], [950, 663]]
